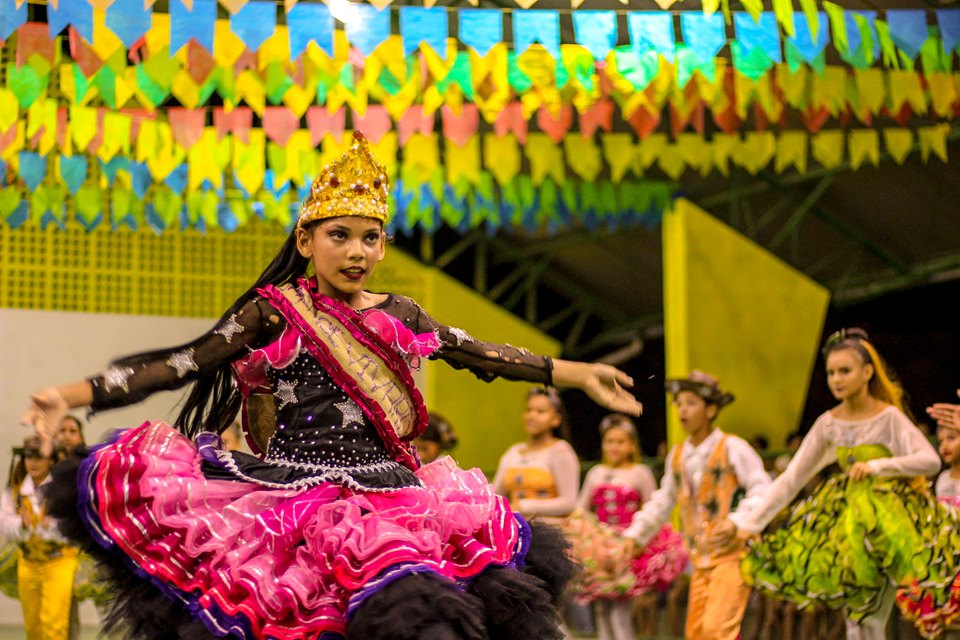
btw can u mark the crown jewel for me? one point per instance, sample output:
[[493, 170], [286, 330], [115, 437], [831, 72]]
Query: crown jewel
[[356, 184]]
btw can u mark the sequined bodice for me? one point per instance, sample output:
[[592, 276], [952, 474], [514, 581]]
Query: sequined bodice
[[318, 427], [615, 504]]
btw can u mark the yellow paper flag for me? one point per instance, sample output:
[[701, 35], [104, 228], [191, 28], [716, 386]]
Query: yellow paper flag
[[9, 154], [386, 152], [583, 156], [756, 150], [791, 151], [870, 90], [650, 149], [864, 145], [828, 148], [671, 162], [227, 47], [546, 158], [463, 162], [421, 157], [905, 87], [898, 142], [158, 36], [621, 155], [933, 139], [249, 161], [83, 125], [116, 135], [830, 89], [794, 85], [943, 92], [724, 146], [501, 156], [695, 152]]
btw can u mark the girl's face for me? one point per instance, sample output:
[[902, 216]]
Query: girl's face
[[37, 467], [694, 412], [618, 447], [540, 416], [427, 450], [949, 440], [847, 374], [69, 434], [344, 252]]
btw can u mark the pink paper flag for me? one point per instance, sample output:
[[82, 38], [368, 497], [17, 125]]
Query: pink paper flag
[[412, 121], [137, 116], [279, 123], [34, 37], [511, 120], [186, 125], [85, 57], [374, 124], [460, 128], [239, 121], [320, 122], [599, 116], [556, 128], [97, 140]]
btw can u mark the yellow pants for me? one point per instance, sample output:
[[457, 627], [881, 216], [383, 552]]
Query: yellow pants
[[46, 589], [718, 599]]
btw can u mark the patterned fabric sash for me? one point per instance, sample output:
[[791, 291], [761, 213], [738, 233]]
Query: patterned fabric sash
[[368, 370], [713, 500]]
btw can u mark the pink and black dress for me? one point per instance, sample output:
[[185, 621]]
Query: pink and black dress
[[608, 499], [290, 543]]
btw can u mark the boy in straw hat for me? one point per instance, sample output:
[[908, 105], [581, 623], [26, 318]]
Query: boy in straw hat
[[710, 475]]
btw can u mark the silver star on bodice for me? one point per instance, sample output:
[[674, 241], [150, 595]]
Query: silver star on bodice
[[183, 362], [229, 328], [461, 335], [285, 393], [351, 413], [116, 378]]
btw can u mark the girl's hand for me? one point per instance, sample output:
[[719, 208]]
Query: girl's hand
[[722, 535], [606, 385], [47, 409], [859, 471], [946, 415]]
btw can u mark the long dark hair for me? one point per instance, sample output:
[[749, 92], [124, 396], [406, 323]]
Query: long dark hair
[[213, 402]]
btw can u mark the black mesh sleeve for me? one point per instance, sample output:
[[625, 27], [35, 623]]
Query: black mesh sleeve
[[486, 360], [131, 379]]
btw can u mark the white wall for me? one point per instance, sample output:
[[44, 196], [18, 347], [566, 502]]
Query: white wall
[[43, 348]]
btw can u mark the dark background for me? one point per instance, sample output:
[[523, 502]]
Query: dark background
[[915, 331]]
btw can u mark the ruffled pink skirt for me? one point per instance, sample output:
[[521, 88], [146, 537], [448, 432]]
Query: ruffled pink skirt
[[278, 562], [608, 573]]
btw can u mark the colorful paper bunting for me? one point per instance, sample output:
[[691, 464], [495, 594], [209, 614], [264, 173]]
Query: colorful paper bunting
[[652, 31], [192, 22], [129, 20], [537, 26], [254, 23], [13, 15], [596, 30], [421, 25], [908, 28], [703, 34], [308, 22], [367, 27], [480, 29], [79, 15]]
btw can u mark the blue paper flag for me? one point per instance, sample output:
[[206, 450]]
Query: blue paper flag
[[306, 22], [141, 178], [197, 24], [418, 24], [803, 40], [33, 169], [11, 17], [596, 30], [480, 29], [76, 13], [949, 21], [652, 31], [22, 213], [703, 33], [762, 33], [536, 26], [177, 180], [254, 22], [908, 29], [226, 219], [854, 38], [129, 20], [3, 173], [367, 27], [58, 220], [116, 164], [73, 170]]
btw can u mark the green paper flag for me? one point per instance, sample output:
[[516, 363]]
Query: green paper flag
[[25, 83], [10, 199], [89, 203], [838, 26]]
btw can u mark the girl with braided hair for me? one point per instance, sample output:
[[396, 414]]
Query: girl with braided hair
[[334, 529]]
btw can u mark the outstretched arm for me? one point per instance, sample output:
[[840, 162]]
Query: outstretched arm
[[133, 378], [947, 415], [606, 385]]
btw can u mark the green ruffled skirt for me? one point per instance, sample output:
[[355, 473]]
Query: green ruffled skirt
[[853, 539]]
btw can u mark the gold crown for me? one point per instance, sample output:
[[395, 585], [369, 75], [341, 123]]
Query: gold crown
[[354, 185]]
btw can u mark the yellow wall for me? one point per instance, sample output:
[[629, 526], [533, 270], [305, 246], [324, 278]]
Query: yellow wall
[[735, 310], [485, 416]]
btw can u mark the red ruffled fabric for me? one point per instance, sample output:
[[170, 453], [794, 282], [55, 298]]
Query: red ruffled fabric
[[288, 560]]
